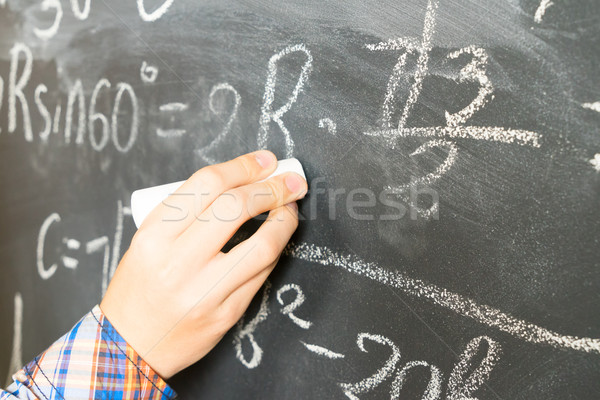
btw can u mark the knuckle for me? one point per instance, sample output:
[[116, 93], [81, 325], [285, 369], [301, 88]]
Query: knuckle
[[227, 316], [230, 204], [144, 241], [247, 166], [269, 250], [293, 221], [197, 313], [275, 189], [210, 177]]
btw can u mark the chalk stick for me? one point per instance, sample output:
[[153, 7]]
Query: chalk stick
[[143, 201]]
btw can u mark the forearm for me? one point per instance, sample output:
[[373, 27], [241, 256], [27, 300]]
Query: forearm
[[90, 361]]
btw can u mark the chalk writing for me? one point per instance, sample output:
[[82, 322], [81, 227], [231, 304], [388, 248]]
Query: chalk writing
[[459, 304], [78, 12], [328, 124], [170, 133], [246, 331], [541, 10], [43, 110], [148, 73], [98, 145], [322, 351], [592, 106], [433, 390], [76, 112], [459, 386], [56, 123], [52, 30], [288, 309], [473, 72], [15, 89], [102, 244], [269, 115], [156, 14], [351, 390], [122, 88], [212, 146], [441, 169], [75, 94], [45, 273], [596, 162], [172, 108]]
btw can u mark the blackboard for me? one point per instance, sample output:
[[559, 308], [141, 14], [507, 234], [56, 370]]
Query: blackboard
[[449, 244]]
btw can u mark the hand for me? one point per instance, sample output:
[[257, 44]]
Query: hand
[[175, 293]]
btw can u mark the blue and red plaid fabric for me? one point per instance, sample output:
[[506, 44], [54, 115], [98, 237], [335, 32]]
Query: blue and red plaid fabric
[[92, 361]]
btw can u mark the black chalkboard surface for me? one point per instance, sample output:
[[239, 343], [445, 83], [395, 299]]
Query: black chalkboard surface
[[450, 242]]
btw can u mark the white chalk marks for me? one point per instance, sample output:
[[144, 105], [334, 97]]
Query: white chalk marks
[[459, 304], [269, 115], [15, 89], [288, 309], [589, 106], [102, 245], [172, 108], [243, 331], [322, 351], [225, 87], [462, 386], [52, 30], [407, 46], [98, 145], [351, 390], [596, 162], [433, 390], [78, 12], [465, 379], [16, 355], [156, 14], [327, 123], [474, 72], [441, 169], [76, 114], [170, 133], [592, 106], [541, 10], [45, 273], [489, 133], [148, 73]]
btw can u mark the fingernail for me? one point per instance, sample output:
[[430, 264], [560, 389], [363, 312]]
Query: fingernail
[[264, 159], [294, 183], [293, 205]]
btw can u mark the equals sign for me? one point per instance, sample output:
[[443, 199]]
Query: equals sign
[[172, 108]]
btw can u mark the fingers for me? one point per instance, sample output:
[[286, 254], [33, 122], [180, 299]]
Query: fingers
[[259, 253], [179, 210], [211, 231], [234, 306]]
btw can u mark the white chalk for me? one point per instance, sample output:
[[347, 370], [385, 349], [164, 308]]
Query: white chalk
[[541, 10], [596, 162], [143, 201]]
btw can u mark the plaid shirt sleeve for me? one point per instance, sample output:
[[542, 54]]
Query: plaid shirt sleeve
[[92, 361]]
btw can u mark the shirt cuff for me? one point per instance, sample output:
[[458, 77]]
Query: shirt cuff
[[92, 361]]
